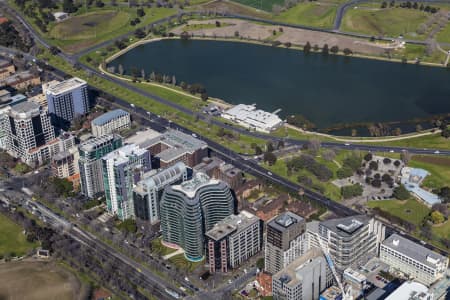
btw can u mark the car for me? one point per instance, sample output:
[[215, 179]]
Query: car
[[269, 173], [230, 281], [423, 242], [186, 279], [346, 144], [391, 151], [437, 152], [194, 135]]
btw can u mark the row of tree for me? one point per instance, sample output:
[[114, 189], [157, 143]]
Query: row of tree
[[307, 162]]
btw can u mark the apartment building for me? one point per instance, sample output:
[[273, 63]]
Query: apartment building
[[21, 80], [111, 122], [91, 151], [122, 169], [233, 240]]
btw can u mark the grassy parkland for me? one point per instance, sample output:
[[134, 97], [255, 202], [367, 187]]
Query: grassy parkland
[[13, 242]]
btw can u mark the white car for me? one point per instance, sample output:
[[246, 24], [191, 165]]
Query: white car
[[269, 173], [346, 144], [437, 152], [391, 151], [186, 279]]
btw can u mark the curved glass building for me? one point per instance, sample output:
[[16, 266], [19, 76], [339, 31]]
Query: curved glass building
[[190, 209]]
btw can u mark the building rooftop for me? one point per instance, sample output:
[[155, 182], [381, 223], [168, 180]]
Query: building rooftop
[[4, 63], [291, 275], [331, 293], [190, 187], [253, 116], [285, 220], [346, 226], [110, 115], [122, 155], [178, 143], [143, 137], [65, 86], [410, 291], [414, 250], [232, 223], [25, 109], [160, 178], [92, 143], [18, 77], [412, 179]]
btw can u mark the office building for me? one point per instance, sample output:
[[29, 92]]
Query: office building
[[148, 192], [410, 290], [174, 146], [285, 241], [90, 165], [351, 240], [111, 122], [303, 279], [67, 100], [122, 168], [190, 209], [233, 240], [21, 80], [414, 260], [28, 129]]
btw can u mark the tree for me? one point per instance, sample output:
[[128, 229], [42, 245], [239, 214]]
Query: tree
[[316, 48], [325, 49], [307, 48], [314, 145], [344, 172], [270, 158], [140, 12], [236, 33], [258, 150], [351, 191], [347, 51], [384, 4], [405, 156], [280, 144], [204, 96], [373, 165], [269, 147], [401, 193], [54, 50], [260, 263], [334, 49], [387, 160], [68, 6], [368, 157], [419, 128], [329, 155], [437, 217]]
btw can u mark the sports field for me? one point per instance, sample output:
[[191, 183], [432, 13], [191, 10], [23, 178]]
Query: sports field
[[12, 240], [391, 22], [37, 281]]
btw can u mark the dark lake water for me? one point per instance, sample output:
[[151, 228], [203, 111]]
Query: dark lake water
[[325, 89]]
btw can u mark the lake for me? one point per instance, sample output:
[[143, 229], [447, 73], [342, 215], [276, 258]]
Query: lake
[[327, 90]]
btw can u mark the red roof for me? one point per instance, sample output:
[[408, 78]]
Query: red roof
[[3, 20]]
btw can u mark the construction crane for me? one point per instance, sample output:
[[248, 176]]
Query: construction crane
[[346, 292]]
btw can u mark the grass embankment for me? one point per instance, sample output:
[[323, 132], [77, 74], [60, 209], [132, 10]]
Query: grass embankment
[[309, 14], [434, 141], [192, 27], [160, 249], [180, 262], [437, 166], [392, 22], [12, 240]]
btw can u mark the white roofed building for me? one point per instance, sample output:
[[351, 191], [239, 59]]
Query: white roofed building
[[252, 118]]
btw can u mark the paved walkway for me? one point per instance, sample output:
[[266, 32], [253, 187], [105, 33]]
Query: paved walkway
[[179, 251]]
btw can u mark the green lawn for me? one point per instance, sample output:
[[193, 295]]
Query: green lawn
[[90, 25], [309, 14], [434, 141], [392, 22], [12, 240], [439, 168], [442, 230], [261, 4], [410, 210], [183, 264], [191, 27], [444, 35], [160, 249]]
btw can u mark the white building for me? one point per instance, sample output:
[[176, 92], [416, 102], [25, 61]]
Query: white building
[[110, 122], [122, 169], [412, 259], [29, 132], [304, 279], [68, 99], [411, 291], [252, 118]]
